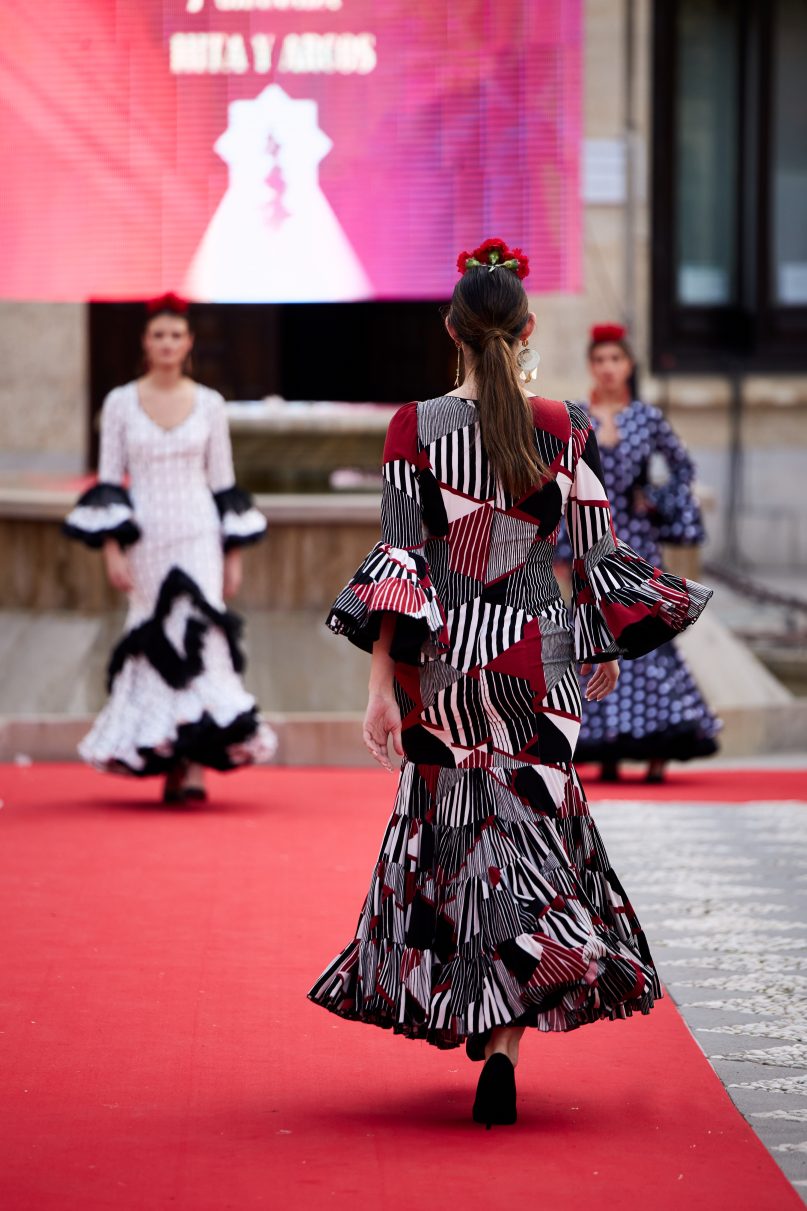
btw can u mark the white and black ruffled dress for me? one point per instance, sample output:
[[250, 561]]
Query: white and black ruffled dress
[[175, 689]]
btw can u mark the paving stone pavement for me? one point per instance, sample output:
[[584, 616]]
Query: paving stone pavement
[[721, 891]]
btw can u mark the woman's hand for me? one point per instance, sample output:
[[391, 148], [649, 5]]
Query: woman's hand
[[603, 682], [382, 719], [641, 504], [117, 567], [233, 574]]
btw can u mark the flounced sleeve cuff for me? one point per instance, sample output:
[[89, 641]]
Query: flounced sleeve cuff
[[241, 522], [624, 607], [395, 581], [103, 512], [677, 515]]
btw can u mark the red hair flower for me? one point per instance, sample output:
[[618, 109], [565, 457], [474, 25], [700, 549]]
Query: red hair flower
[[493, 254], [167, 302], [601, 334]]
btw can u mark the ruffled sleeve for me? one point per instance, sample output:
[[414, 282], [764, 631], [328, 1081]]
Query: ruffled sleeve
[[676, 511], [241, 522], [623, 606], [105, 510], [394, 578]]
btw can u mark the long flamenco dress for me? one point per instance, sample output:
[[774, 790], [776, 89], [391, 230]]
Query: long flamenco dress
[[656, 710], [175, 689], [493, 901]]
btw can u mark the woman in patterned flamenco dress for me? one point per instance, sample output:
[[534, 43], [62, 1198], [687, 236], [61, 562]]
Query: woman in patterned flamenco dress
[[171, 541], [657, 713], [493, 906]]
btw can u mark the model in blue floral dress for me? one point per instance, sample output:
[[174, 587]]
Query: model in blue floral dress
[[656, 712]]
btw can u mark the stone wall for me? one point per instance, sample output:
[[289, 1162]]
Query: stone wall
[[43, 387]]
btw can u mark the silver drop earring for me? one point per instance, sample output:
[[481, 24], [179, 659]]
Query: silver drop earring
[[528, 360], [459, 363]]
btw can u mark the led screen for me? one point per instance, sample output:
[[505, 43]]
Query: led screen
[[284, 150]]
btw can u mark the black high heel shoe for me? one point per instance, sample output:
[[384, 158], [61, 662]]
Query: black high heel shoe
[[475, 1045], [496, 1093], [172, 787], [194, 794]]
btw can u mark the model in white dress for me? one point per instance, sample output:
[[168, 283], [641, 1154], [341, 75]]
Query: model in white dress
[[175, 691]]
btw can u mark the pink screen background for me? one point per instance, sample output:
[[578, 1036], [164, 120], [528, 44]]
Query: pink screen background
[[468, 127]]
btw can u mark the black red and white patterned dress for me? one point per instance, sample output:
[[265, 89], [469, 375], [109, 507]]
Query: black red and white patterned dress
[[493, 901], [175, 689]]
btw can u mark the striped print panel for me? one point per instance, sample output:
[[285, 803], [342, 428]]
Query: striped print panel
[[482, 759], [565, 696], [386, 563], [623, 583], [533, 586], [458, 711], [435, 676], [592, 637], [400, 474], [581, 427], [439, 416], [548, 446], [453, 588], [604, 546], [450, 781], [463, 799], [507, 703], [557, 651], [481, 912], [569, 927], [401, 520], [458, 460], [587, 525], [501, 627], [478, 632], [469, 539], [511, 540]]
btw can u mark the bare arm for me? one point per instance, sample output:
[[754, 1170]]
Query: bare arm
[[116, 563], [233, 572], [382, 718]]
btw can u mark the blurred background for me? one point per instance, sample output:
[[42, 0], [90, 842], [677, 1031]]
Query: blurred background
[[306, 174]]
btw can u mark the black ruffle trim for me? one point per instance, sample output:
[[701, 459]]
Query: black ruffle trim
[[232, 500], [150, 640], [408, 636], [233, 541], [236, 500], [101, 496], [683, 743], [204, 742]]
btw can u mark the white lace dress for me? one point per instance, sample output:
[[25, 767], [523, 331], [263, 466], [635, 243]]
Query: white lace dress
[[175, 689]]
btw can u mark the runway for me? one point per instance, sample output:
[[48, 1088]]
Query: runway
[[159, 1051]]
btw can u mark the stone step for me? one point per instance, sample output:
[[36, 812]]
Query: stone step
[[313, 685]]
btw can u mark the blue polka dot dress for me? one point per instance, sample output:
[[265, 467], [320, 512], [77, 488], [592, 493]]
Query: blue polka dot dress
[[656, 711]]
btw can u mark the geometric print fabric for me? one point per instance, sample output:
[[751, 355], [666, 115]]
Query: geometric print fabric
[[493, 900]]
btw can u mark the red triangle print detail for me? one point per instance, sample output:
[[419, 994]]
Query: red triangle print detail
[[523, 659], [469, 542]]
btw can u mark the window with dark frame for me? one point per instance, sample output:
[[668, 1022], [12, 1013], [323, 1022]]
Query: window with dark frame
[[729, 249]]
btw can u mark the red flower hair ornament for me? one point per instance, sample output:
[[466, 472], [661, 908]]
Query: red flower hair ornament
[[167, 302], [602, 334], [494, 254]]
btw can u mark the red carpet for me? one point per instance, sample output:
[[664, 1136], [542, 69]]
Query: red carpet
[[159, 1051]]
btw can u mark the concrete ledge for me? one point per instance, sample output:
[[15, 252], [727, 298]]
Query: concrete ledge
[[316, 508], [304, 739], [334, 738]]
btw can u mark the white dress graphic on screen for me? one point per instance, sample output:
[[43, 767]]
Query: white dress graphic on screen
[[274, 237]]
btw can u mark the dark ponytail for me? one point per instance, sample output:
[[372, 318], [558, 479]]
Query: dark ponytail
[[488, 312]]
